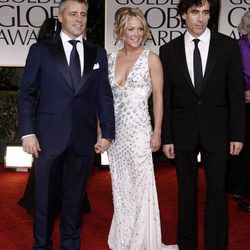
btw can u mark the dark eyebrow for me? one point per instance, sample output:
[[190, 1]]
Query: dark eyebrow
[[196, 10]]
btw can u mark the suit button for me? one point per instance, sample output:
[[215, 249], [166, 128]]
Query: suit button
[[199, 102]]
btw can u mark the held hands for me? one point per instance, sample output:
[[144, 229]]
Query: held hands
[[31, 145], [102, 145]]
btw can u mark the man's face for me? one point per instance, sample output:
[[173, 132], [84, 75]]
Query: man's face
[[197, 18], [73, 19]]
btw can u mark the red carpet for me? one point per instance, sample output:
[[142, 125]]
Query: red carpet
[[16, 224]]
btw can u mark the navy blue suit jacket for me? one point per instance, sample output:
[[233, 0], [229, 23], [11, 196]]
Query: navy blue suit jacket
[[48, 106]]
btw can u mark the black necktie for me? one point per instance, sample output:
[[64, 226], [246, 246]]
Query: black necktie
[[74, 65], [198, 76]]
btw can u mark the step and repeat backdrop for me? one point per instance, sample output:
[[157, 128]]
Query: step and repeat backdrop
[[161, 15], [230, 15], [20, 21]]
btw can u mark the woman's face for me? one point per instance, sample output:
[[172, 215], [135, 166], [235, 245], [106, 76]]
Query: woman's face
[[133, 34]]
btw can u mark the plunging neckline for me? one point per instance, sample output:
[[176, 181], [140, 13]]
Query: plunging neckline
[[129, 73]]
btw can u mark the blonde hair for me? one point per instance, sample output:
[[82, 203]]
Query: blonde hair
[[122, 16], [244, 26]]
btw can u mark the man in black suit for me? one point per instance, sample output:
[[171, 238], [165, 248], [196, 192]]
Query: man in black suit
[[64, 88], [204, 112]]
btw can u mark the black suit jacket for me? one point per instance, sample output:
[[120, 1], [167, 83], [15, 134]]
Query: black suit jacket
[[62, 115], [214, 116]]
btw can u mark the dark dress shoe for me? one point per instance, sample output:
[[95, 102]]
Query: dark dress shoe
[[244, 205]]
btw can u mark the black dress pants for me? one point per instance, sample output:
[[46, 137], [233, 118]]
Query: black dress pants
[[215, 221]]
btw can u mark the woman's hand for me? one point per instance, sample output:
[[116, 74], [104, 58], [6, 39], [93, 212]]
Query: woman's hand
[[155, 141]]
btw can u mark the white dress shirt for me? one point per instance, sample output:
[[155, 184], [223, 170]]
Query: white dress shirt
[[68, 47], [203, 47]]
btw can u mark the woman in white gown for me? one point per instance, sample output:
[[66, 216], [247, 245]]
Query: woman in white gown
[[134, 74]]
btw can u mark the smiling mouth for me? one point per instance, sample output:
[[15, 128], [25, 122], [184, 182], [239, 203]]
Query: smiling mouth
[[77, 26], [136, 40]]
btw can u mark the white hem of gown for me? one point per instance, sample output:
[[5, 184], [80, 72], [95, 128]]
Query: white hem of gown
[[164, 247], [169, 247]]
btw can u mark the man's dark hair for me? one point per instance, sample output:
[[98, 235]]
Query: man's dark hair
[[184, 5]]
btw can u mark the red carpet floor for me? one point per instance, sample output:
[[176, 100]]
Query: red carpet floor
[[16, 224]]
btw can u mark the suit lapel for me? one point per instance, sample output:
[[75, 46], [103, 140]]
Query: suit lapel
[[180, 53], [89, 61], [212, 52], [57, 50]]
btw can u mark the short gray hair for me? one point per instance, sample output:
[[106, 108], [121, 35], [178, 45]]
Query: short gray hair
[[63, 2], [244, 26]]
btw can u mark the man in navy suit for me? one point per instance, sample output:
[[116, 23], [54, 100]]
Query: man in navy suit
[[58, 122], [204, 112]]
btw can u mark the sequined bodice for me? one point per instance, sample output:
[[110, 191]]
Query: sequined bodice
[[131, 100]]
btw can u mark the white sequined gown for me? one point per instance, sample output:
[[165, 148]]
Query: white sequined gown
[[136, 222]]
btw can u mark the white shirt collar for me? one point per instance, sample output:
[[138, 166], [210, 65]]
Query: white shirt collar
[[65, 38], [204, 37]]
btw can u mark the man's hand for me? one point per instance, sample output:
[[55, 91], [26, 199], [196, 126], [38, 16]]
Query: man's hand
[[168, 150], [102, 145], [31, 145], [97, 146], [235, 147], [247, 96]]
